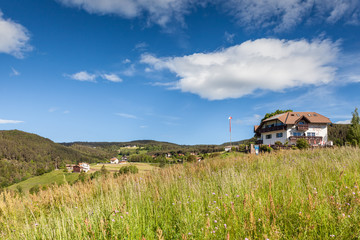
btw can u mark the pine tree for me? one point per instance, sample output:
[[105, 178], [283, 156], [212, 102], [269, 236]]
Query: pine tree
[[353, 135]]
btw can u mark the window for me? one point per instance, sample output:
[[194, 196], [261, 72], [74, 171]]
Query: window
[[296, 134], [279, 135], [301, 122], [268, 136], [310, 134], [309, 114]]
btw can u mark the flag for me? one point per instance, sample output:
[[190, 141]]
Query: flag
[[230, 122]]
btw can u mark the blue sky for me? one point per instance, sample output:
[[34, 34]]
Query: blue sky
[[173, 70]]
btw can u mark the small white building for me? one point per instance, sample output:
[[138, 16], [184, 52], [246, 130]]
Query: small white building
[[290, 126], [85, 167], [114, 160]]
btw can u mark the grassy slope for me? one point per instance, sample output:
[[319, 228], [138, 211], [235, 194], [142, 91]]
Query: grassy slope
[[57, 176], [285, 195]]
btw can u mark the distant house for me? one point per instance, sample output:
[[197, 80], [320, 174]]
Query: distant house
[[291, 126], [227, 149], [114, 160], [85, 167]]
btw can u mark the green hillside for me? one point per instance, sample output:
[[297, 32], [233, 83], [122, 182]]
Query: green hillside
[[23, 155]]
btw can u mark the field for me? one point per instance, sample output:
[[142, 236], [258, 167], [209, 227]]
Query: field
[[57, 176], [143, 167], [292, 194]]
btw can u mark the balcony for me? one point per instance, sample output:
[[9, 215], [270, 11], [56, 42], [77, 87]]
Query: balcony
[[302, 127], [271, 129], [311, 140], [259, 142]]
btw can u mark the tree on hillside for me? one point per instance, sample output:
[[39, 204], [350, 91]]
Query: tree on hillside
[[268, 115], [353, 135]]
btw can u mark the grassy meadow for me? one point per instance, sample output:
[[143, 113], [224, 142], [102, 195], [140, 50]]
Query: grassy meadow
[[54, 177], [294, 194]]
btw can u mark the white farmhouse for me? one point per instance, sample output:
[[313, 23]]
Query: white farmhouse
[[290, 126], [85, 167], [114, 160]]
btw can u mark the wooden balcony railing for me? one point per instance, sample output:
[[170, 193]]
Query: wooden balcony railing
[[302, 127], [274, 128], [310, 139]]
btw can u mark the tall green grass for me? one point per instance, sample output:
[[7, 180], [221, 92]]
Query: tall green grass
[[285, 195]]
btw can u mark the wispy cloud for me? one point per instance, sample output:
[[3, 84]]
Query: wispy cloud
[[229, 37], [263, 64], [4, 121], [14, 72], [126, 115], [83, 76], [111, 77], [66, 112], [14, 38], [344, 122], [126, 61], [278, 15], [52, 109]]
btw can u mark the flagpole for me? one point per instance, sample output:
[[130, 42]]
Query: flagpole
[[230, 129]]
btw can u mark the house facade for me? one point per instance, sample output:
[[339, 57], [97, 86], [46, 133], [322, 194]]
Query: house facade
[[289, 127], [114, 160]]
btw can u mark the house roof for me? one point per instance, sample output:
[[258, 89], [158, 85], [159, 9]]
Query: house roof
[[294, 117]]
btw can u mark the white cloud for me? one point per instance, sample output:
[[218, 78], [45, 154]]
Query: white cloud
[[83, 76], [283, 15], [129, 71], [14, 72], [279, 15], [264, 64], [158, 11], [66, 112], [14, 38], [111, 77], [126, 115], [344, 122], [3, 121], [126, 61]]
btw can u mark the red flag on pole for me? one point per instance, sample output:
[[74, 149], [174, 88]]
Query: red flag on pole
[[230, 122]]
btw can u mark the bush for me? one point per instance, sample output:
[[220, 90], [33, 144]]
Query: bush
[[128, 169], [34, 190], [266, 148], [302, 143], [278, 143], [191, 158]]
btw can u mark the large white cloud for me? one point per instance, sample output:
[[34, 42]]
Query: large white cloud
[[267, 64], [279, 15], [14, 38]]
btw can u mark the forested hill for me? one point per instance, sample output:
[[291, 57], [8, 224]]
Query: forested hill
[[23, 155]]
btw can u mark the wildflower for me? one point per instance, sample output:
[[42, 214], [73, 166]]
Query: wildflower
[[36, 224], [354, 193], [346, 187], [213, 193], [332, 235], [75, 207], [173, 203], [113, 220], [246, 239], [343, 215], [237, 195], [314, 188], [207, 214], [225, 225], [226, 195], [300, 212], [189, 233], [215, 221], [213, 231], [121, 216], [348, 216], [216, 228], [127, 213], [214, 201]]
